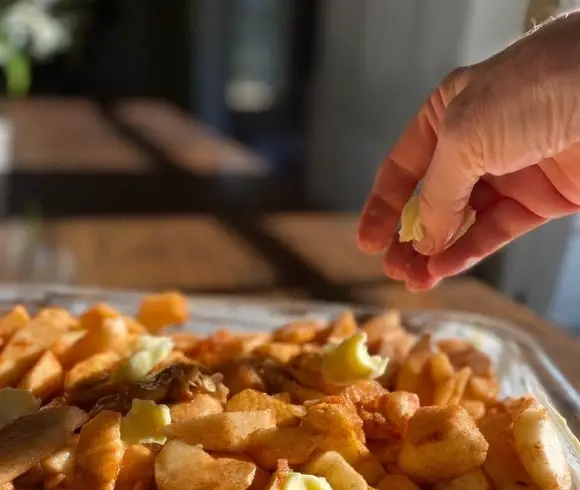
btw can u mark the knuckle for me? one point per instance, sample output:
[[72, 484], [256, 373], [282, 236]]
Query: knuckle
[[465, 113], [458, 78], [451, 86], [465, 128]]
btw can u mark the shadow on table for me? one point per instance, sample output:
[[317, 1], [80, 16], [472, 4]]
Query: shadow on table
[[61, 195]]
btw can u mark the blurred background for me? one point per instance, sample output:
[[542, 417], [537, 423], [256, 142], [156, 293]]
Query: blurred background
[[226, 146]]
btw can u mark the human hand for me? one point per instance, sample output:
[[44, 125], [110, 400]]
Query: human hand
[[502, 136]]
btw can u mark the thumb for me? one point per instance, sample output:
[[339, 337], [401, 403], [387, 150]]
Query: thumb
[[444, 197]]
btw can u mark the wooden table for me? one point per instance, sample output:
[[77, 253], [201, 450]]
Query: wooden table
[[69, 135], [310, 256], [327, 242], [145, 155], [188, 144], [194, 253], [75, 135]]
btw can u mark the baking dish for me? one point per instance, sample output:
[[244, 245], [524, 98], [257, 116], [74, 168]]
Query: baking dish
[[521, 365]]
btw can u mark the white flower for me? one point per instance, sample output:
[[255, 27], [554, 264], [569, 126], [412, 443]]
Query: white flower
[[44, 4], [30, 27]]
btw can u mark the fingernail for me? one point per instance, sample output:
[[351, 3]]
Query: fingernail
[[414, 288], [372, 238], [371, 242], [451, 237], [394, 273], [426, 246], [417, 287], [371, 247]]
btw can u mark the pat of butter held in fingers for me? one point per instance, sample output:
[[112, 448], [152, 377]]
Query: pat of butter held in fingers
[[412, 230]]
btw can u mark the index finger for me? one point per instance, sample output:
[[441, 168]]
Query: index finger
[[402, 170]]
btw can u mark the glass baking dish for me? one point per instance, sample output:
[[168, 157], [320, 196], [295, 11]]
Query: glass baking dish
[[521, 365]]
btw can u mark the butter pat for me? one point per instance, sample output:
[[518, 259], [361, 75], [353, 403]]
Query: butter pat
[[145, 423], [15, 403], [298, 481], [412, 230], [158, 346], [350, 361], [149, 350]]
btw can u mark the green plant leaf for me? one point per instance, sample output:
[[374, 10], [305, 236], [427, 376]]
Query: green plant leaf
[[18, 74], [33, 218]]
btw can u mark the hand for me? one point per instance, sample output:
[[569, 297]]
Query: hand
[[502, 136]]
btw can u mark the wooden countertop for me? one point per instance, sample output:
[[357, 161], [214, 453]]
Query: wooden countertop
[[308, 256]]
